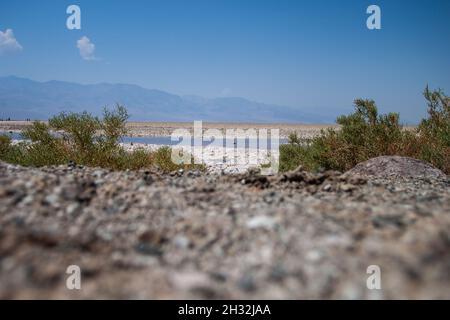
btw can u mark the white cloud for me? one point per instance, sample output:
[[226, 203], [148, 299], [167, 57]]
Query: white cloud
[[8, 42], [87, 48]]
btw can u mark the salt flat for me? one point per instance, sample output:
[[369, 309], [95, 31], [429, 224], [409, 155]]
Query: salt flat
[[143, 129], [221, 160]]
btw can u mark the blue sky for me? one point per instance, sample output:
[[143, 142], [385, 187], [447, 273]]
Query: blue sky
[[314, 55]]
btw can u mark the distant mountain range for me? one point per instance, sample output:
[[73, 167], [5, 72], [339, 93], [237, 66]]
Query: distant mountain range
[[23, 98]]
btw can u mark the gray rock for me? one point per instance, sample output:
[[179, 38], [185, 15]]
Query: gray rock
[[395, 166]]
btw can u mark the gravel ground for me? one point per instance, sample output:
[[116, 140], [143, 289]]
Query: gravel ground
[[192, 235]]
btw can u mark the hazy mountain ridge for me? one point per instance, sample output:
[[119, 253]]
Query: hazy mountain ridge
[[22, 98]]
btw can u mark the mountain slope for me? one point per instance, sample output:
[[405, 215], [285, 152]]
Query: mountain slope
[[23, 98]]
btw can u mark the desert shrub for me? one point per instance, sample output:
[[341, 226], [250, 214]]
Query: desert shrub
[[5, 144], [44, 149], [362, 135], [132, 160], [78, 133], [297, 152], [433, 133], [78, 137], [293, 154], [162, 159], [86, 140], [293, 138], [8, 151], [365, 134], [113, 126], [138, 159], [437, 125]]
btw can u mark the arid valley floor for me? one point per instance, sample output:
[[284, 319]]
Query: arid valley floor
[[143, 129]]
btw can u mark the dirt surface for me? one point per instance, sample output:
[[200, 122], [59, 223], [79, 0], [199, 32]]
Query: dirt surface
[[190, 235]]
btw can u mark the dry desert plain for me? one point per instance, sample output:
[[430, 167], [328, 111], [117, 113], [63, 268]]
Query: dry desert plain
[[144, 129]]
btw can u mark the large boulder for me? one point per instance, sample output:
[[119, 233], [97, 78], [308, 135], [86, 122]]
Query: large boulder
[[395, 166]]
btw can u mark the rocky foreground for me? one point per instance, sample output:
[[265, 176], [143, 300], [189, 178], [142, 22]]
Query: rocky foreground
[[192, 235]]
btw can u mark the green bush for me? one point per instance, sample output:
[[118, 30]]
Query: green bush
[[123, 160], [433, 133], [8, 152], [365, 134], [78, 132], [5, 144], [86, 140], [292, 155], [81, 138], [137, 159], [163, 160], [44, 149], [438, 123]]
